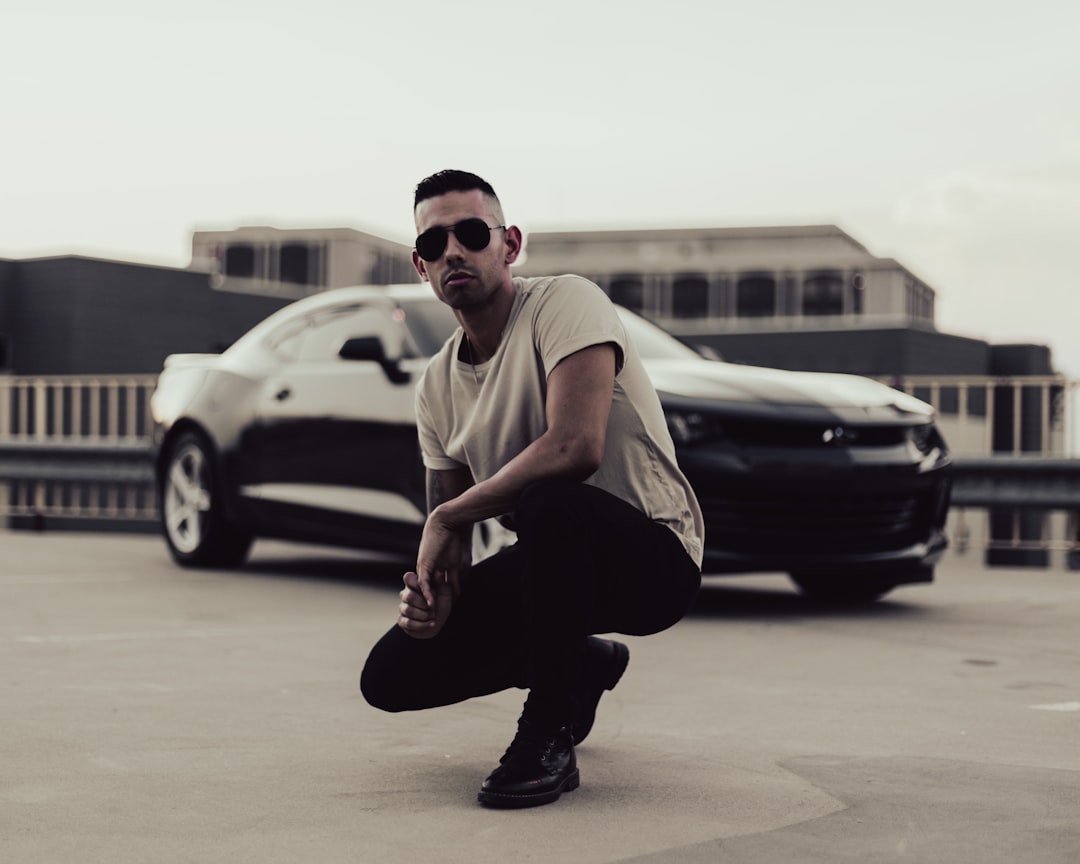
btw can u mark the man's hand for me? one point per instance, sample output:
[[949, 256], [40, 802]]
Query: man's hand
[[444, 554], [418, 617], [429, 591]]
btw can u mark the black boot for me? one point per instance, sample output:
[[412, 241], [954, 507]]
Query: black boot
[[538, 766], [605, 662]]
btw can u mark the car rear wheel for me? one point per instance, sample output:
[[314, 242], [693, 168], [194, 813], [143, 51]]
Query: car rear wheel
[[192, 510]]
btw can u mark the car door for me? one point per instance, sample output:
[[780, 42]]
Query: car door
[[333, 443]]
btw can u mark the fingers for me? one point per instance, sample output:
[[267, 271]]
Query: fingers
[[412, 583], [413, 599], [415, 613], [424, 584]]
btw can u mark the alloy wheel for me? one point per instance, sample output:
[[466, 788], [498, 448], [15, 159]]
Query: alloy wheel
[[187, 498]]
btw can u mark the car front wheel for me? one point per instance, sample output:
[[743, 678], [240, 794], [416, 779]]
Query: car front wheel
[[192, 510]]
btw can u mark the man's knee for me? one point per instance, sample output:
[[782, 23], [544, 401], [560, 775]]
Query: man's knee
[[381, 685], [374, 692]]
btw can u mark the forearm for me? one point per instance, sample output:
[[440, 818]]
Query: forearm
[[578, 404], [547, 456]]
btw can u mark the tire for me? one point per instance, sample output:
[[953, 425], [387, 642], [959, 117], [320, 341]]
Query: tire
[[848, 589], [192, 508]]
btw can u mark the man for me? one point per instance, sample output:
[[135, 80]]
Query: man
[[537, 411]]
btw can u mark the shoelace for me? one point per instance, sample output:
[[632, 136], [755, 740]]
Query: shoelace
[[530, 742]]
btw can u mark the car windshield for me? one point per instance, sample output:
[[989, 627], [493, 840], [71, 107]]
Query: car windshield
[[652, 342], [431, 323]]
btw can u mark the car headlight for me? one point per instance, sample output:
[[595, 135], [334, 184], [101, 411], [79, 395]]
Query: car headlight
[[692, 427], [926, 439]]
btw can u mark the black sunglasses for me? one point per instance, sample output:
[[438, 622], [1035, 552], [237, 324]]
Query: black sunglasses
[[474, 234]]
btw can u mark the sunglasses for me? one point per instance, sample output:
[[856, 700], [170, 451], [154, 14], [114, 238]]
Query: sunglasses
[[474, 234]]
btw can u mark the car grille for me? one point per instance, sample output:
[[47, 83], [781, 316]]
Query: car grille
[[810, 435], [820, 522]]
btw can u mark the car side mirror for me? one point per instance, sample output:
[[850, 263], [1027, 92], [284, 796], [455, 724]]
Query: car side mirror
[[370, 348]]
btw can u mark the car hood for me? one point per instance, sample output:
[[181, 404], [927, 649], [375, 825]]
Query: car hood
[[757, 389], [177, 361]]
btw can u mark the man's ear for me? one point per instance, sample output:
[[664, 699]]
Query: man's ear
[[418, 263], [514, 243]]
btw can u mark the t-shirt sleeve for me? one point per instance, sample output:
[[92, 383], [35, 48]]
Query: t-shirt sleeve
[[574, 313], [432, 452]]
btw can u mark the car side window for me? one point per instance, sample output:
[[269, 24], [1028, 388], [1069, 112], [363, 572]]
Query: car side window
[[285, 340], [326, 332]]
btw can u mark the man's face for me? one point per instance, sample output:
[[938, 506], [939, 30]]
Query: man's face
[[461, 277]]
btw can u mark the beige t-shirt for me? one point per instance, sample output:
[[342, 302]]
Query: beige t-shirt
[[483, 422]]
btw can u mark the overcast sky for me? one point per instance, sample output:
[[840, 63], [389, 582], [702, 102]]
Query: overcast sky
[[944, 133]]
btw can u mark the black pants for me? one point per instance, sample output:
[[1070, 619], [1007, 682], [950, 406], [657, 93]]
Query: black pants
[[585, 562]]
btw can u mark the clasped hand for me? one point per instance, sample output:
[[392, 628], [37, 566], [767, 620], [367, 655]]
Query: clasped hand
[[429, 591]]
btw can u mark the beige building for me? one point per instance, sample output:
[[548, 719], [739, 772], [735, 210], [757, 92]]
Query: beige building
[[294, 262], [709, 280], [696, 280]]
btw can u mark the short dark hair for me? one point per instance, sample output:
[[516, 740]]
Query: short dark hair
[[451, 180]]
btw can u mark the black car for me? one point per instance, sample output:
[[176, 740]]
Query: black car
[[304, 430]]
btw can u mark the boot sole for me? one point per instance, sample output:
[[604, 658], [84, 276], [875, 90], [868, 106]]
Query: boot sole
[[506, 801]]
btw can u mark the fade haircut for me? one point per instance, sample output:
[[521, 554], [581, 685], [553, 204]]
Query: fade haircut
[[452, 180]]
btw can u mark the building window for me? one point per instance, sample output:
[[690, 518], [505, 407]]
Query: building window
[[628, 291], [920, 300], [690, 297], [926, 303], [755, 297], [390, 268], [858, 294], [823, 294], [294, 264], [240, 261]]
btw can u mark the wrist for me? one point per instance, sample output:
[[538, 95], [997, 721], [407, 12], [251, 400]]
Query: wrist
[[444, 515]]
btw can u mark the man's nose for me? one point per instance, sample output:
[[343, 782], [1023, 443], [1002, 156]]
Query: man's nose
[[454, 249]]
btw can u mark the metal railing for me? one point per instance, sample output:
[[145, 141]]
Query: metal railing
[[85, 409], [80, 446], [990, 415], [1032, 502], [76, 447], [1014, 441]]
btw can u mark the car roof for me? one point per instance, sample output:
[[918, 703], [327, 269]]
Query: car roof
[[388, 294], [334, 296]]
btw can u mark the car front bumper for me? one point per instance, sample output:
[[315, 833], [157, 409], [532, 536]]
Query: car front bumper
[[842, 512]]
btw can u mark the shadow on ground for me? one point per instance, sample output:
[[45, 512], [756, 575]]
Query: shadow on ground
[[724, 597], [720, 597], [339, 567]]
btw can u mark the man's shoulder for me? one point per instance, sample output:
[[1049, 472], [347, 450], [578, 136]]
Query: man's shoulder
[[556, 292], [567, 307], [540, 284]]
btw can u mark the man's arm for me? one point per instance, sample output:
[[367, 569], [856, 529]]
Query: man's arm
[[579, 394], [425, 603], [445, 485]]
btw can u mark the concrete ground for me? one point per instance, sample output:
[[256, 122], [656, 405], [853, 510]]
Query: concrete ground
[[152, 714]]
